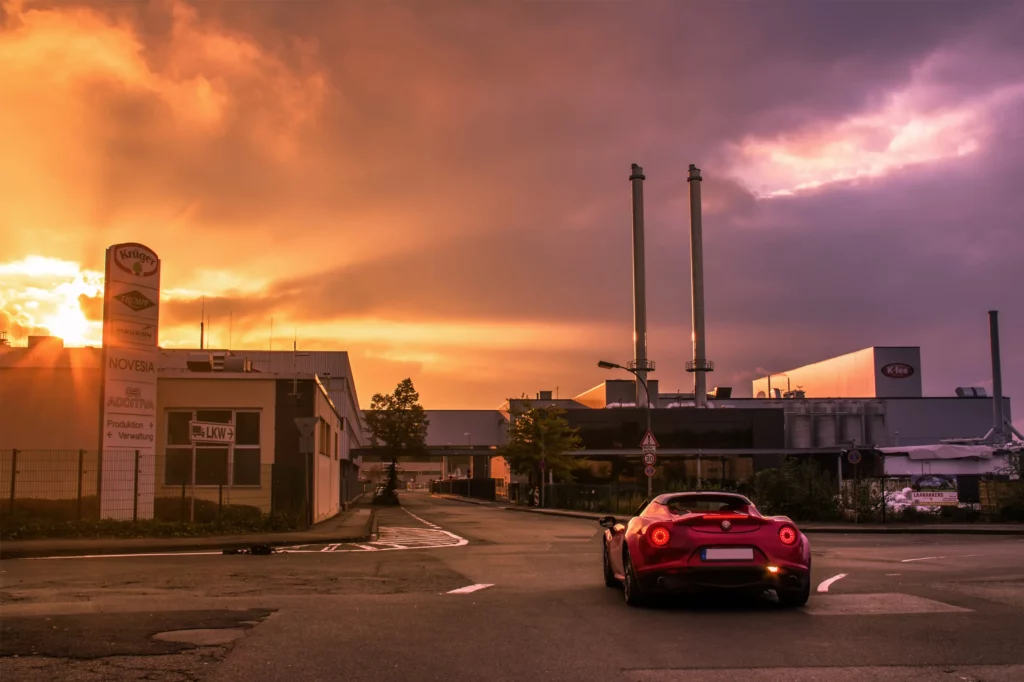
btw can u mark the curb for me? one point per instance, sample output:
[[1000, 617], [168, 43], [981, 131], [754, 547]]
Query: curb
[[101, 550], [812, 529], [820, 530], [206, 543], [912, 531], [557, 512], [372, 528], [467, 500]]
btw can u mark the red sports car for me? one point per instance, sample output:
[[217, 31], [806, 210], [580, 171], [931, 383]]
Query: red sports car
[[704, 541]]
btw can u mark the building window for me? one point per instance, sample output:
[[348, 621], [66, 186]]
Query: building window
[[211, 466], [324, 444], [246, 464], [178, 466], [237, 465]]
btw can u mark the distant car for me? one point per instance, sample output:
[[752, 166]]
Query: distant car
[[705, 542]]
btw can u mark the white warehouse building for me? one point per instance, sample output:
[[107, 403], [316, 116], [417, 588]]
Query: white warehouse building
[[872, 397]]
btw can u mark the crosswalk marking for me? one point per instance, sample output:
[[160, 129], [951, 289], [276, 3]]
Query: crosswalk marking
[[391, 538], [877, 605]]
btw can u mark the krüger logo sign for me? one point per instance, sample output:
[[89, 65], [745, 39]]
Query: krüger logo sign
[[898, 370], [137, 260]]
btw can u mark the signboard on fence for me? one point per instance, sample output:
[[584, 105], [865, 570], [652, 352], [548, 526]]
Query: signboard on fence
[[131, 311], [934, 490]]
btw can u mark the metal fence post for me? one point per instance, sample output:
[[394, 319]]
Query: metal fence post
[[135, 498], [14, 473], [273, 496], [81, 467]]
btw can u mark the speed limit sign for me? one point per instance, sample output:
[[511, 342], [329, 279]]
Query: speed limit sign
[[650, 458]]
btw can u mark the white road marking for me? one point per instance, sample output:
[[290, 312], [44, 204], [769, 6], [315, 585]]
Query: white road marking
[[423, 521], [951, 556], [389, 539], [471, 588], [823, 587]]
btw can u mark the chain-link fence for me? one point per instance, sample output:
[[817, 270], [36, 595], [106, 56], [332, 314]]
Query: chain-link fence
[[478, 488], [979, 497], [58, 486]]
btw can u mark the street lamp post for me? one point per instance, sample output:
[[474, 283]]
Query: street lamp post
[[637, 370]]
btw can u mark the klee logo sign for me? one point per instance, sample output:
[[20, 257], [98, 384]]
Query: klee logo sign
[[136, 300], [898, 370], [136, 259]]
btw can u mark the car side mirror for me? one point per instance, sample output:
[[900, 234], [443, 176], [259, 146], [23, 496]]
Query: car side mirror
[[607, 521]]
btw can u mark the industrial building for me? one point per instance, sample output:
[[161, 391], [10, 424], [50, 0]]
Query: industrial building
[[460, 444], [51, 424], [870, 398]]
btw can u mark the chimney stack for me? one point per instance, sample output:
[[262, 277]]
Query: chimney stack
[[999, 429], [699, 365], [640, 364]]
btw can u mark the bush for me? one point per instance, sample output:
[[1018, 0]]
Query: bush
[[33, 518], [798, 489]]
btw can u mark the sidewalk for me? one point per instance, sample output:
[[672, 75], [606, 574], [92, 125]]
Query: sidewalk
[[850, 528], [354, 525]]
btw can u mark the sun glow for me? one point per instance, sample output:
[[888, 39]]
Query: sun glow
[[51, 296]]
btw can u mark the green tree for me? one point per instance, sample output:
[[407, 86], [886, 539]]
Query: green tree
[[398, 426], [541, 434]]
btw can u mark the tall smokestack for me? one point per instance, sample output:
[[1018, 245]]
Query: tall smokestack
[[999, 430], [636, 179], [699, 365]]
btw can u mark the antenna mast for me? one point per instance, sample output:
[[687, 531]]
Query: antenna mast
[[202, 319]]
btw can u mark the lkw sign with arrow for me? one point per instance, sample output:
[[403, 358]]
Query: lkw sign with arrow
[[211, 432]]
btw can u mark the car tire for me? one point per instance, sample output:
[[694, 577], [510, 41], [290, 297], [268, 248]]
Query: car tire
[[631, 585], [609, 575], [796, 598]]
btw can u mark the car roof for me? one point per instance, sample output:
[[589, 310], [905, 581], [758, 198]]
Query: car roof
[[661, 499]]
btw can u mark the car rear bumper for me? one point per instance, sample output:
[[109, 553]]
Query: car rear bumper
[[724, 578]]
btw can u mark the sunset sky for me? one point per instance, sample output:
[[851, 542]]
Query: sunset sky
[[442, 188]]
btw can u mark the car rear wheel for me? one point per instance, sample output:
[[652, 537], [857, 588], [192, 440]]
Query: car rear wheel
[[795, 598], [609, 575], [631, 585]]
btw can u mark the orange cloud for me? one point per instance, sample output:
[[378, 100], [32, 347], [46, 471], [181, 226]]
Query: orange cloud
[[108, 114], [910, 127]]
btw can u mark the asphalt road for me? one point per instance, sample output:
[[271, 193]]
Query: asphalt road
[[452, 591]]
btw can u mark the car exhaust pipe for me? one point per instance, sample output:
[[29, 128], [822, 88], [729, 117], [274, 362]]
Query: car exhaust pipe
[[662, 583], [793, 580]]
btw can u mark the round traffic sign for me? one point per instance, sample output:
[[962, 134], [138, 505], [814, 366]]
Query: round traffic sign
[[650, 458], [853, 456], [649, 471]]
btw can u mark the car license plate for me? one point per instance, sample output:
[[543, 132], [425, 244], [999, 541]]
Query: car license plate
[[728, 554]]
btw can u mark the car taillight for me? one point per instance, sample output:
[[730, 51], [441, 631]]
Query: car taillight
[[660, 536], [787, 534]]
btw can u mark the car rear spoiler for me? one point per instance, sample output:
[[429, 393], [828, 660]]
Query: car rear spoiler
[[693, 517]]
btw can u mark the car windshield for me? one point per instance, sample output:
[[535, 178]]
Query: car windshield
[[704, 504]]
